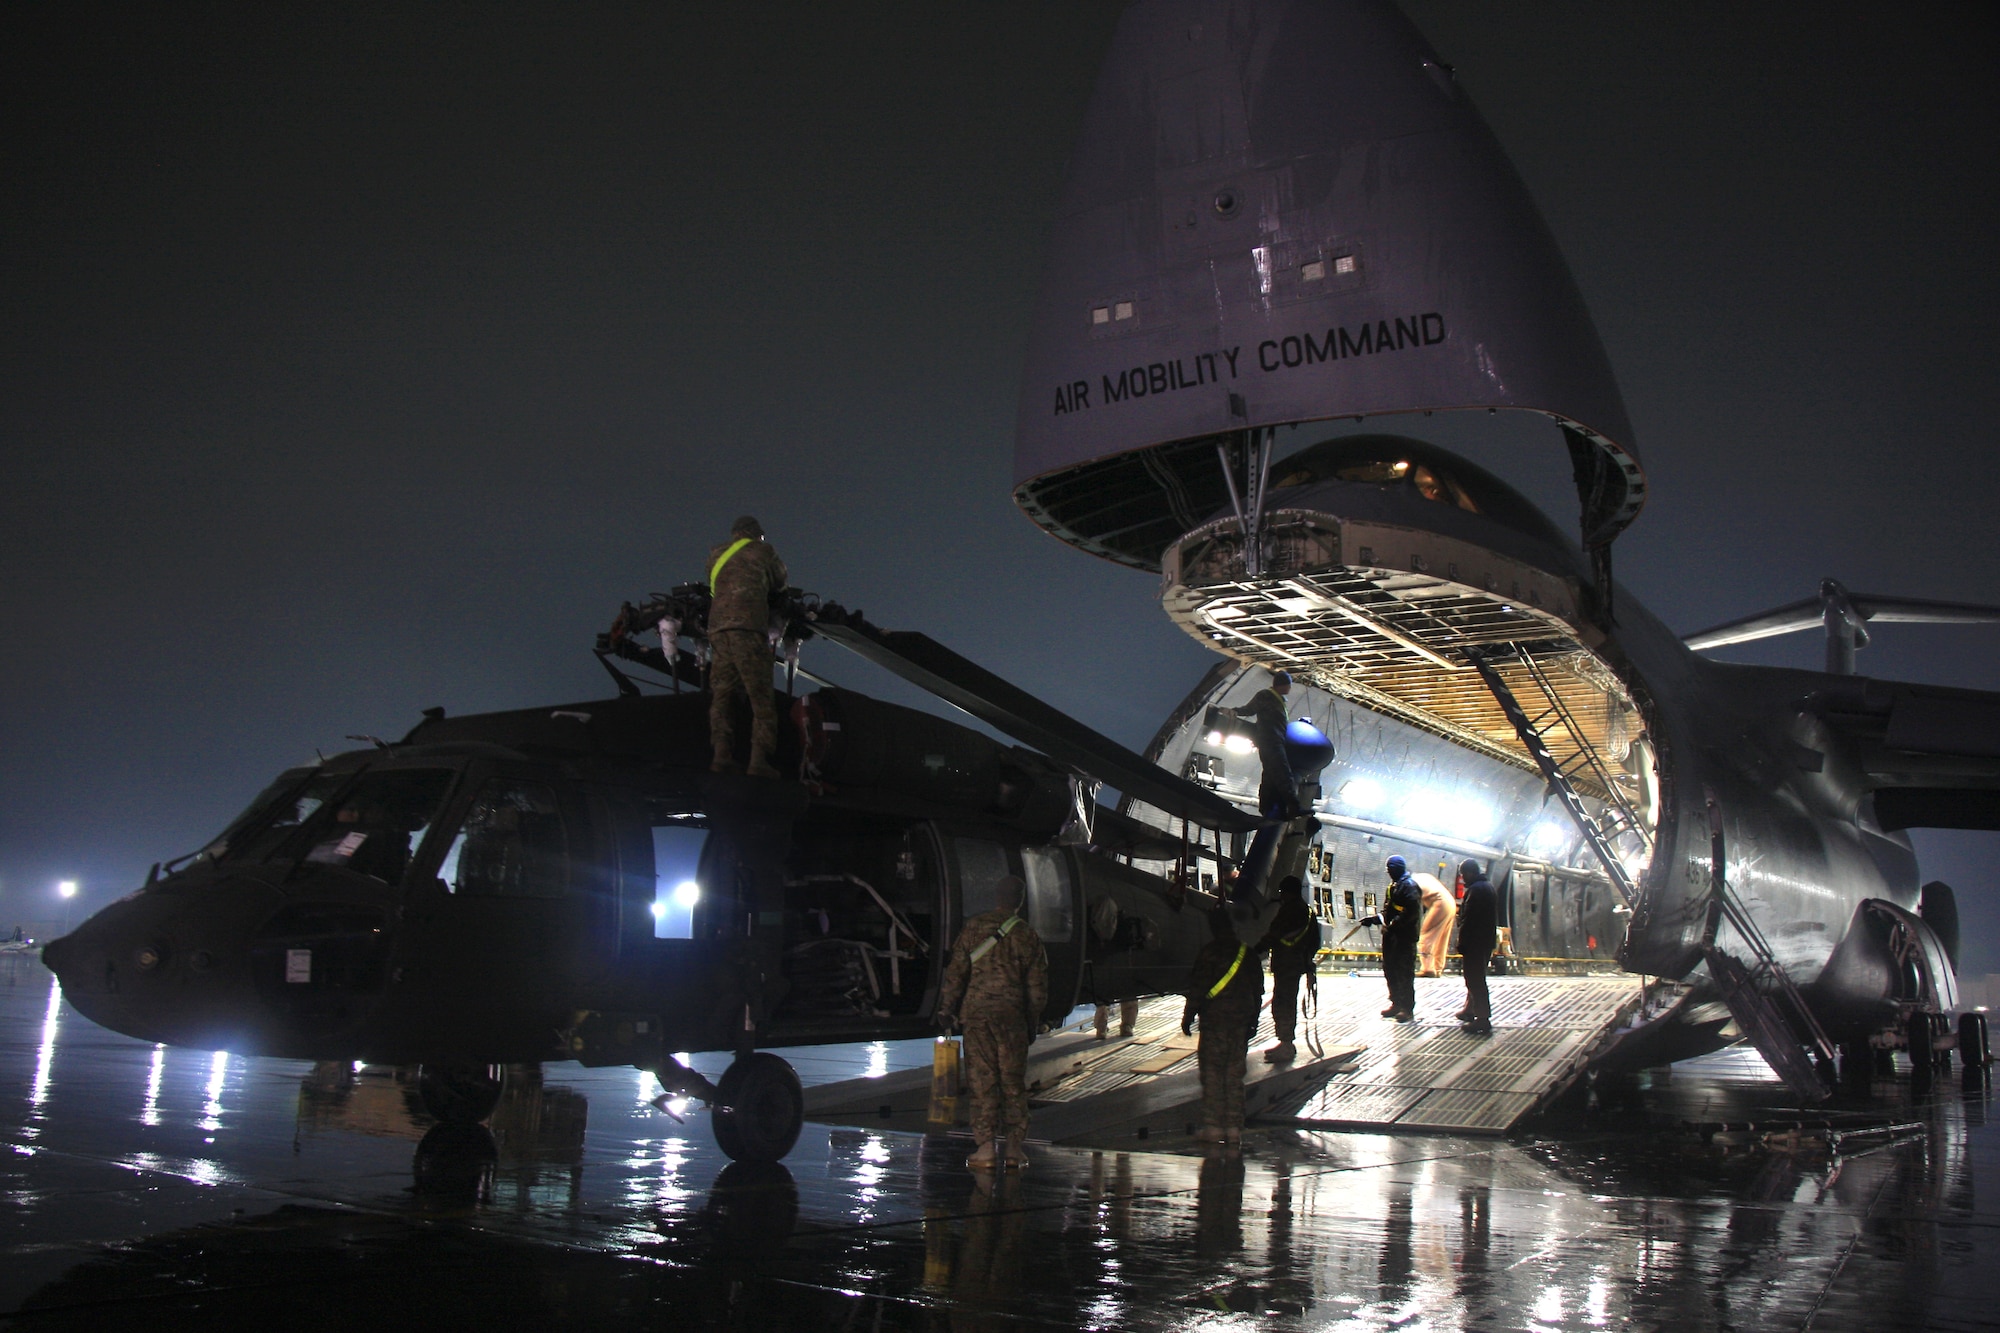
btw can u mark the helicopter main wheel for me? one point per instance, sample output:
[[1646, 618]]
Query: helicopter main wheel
[[459, 1094], [760, 1108]]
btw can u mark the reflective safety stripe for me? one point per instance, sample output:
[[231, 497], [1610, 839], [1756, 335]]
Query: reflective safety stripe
[[1001, 934], [1230, 975], [1292, 939], [723, 559]]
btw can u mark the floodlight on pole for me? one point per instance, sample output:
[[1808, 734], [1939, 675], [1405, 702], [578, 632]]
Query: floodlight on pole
[[66, 890]]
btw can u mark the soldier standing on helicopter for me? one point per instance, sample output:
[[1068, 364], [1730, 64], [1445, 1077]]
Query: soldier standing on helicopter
[[743, 573]]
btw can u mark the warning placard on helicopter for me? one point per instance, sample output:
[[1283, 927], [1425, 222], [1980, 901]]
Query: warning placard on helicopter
[[298, 967]]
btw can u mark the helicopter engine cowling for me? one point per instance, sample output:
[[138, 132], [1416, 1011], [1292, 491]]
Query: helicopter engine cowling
[[851, 740]]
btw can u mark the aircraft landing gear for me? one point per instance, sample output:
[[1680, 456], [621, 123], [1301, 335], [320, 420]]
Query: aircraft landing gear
[[758, 1108], [459, 1094]]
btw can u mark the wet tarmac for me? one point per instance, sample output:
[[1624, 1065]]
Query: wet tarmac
[[158, 1188]]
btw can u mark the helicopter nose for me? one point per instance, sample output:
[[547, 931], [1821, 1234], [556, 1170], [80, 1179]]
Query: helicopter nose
[[56, 954]]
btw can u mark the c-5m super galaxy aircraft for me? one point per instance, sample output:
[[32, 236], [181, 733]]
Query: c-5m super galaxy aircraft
[[1280, 213], [1283, 213]]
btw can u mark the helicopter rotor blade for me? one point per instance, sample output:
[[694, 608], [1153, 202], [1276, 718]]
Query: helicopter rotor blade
[[929, 665]]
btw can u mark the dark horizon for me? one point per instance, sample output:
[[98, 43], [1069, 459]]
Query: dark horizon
[[364, 359]]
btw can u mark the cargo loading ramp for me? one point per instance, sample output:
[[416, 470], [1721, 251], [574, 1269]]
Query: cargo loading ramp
[[1432, 1075], [1375, 1075], [1140, 1091]]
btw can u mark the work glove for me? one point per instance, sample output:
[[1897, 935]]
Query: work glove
[[947, 1024], [1187, 1023], [1369, 921]]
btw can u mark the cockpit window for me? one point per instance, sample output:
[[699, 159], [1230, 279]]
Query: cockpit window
[[253, 817], [374, 825], [274, 816], [1381, 471], [1428, 480], [513, 844]]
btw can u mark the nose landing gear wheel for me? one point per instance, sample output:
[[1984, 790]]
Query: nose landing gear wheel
[[459, 1094], [761, 1106]]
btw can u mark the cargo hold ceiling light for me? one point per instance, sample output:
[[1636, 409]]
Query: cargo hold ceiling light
[[1548, 837], [1442, 813], [1360, 793]]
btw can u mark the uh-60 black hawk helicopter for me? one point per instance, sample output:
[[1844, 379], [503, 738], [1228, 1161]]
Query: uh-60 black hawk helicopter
[[486, 890]]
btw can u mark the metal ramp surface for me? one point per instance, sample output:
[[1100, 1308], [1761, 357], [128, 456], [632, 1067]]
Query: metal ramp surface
[[1092, 1093], [1431, 1075]]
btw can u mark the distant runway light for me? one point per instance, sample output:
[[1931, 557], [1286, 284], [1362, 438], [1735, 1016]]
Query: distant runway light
[[67, 888], [659, 910], [687, 893]]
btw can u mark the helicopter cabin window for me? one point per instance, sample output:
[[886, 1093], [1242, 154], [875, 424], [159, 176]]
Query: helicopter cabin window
[[1048, 892], [513, 844], [374, 824], [982, 864], [677, 847]]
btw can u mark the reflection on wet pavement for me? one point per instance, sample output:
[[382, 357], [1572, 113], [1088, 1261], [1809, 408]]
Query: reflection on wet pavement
[[157, 1187]]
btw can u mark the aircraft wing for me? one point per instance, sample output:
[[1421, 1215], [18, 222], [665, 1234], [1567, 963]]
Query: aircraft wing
[[931, 666], [1930, 753]]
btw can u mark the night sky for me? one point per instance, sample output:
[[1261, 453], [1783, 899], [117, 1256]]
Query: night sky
[[359, 359]]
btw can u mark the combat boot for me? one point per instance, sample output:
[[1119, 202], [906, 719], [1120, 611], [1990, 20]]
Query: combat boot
[[1211, 1134], [1390, 1012], [986, 1158], [760, 767], [1281, 1054], [1017, 1155], [725, 766]]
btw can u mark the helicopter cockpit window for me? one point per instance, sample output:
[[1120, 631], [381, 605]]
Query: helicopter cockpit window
[[513, 844], [377, 822], [262, 825], [982, 864], [1048, 892]]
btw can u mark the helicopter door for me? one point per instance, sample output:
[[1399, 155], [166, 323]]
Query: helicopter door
[[512, 923], [1052, 911], [1050, 902]]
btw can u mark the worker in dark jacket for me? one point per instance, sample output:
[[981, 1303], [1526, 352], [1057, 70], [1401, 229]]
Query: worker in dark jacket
[[1478, 934], [1293, 941], [1401, 918], [1277, 793], [1225, 990], [743, 574]]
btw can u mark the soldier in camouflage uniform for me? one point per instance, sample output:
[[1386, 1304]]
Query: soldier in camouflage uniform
[[743, 573], [1225, 989], [996, 986]]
